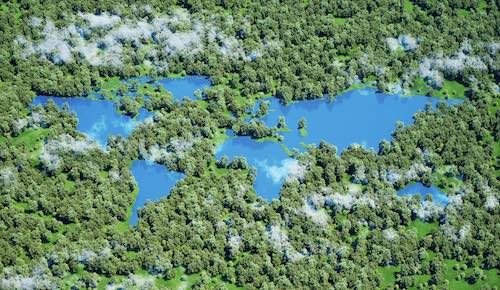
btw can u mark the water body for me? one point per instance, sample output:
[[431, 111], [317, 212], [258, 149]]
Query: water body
[[98, 119], [272, 163], [181, 87], [184, 86], [154, 180], [357, 116], [438, 197]]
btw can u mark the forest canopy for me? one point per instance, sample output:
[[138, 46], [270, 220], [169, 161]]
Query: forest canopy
[[65, 201]]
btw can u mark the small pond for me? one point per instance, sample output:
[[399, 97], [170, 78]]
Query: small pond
[[184, 86], [272, 163], [154, 181], [358, 116], [180, 87], [438, 197]]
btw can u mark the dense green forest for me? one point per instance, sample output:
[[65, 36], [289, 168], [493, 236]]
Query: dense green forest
[[65, 202]]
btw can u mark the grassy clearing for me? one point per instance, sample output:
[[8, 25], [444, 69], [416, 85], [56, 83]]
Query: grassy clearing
[[491, 277], [221, 136], [340, 20], [177, 75], [181, 280], [423, 228], [187, 281], [32, 140], [30, 137], [69, 185], [408, 6], [450, 89], [482, 5], [111, 84], [445, 181], [463, 13], [388, 275], [454, 269], [124, 226], [494, 105]]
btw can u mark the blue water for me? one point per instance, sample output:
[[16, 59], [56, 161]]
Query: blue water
[[184, 86], [358, 116], [98, 118], [179, 87], [270, 160], [438, 197], [154, 180]]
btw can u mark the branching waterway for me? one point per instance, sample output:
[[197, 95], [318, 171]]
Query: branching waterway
[[360, 116]]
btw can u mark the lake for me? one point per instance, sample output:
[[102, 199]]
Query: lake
[[438, 197], [154, 181], [180, 87], [98, 119], [360, 116], [184, 86]]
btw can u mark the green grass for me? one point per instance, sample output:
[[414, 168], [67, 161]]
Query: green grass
[[482, 5], [146, 90], [242, 101], [186, 281], [449, 184], [15, 12], [388, 275], [493, 105], [218, 171], [113, 83], [30, 137], [221, 136], [463, 13], [203, 104], [341, 58], [492, 276], [177, 75], [450, 89], [22, 205], [422, 228], [340, 20], [408, 6], [124, 226], [104, 174], [180, 281], [68, 184]]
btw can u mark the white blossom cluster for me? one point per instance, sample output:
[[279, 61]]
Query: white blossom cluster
[[100, 39], [50, 154]]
